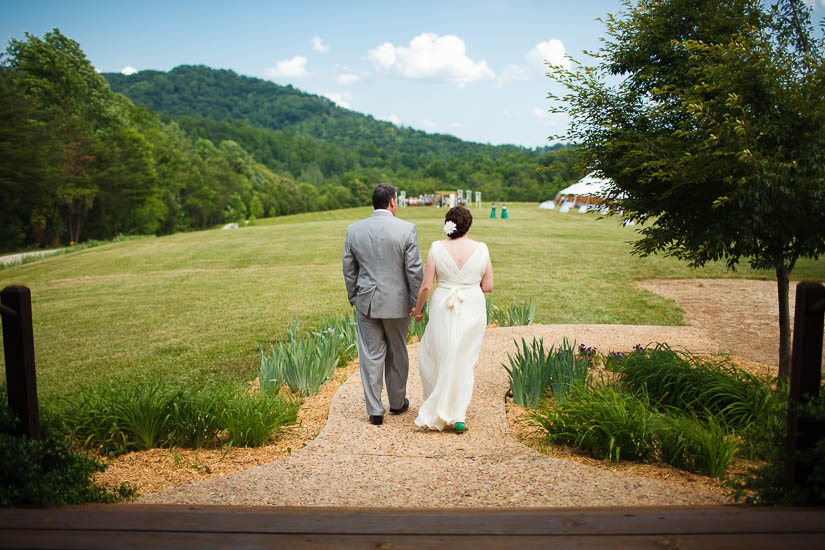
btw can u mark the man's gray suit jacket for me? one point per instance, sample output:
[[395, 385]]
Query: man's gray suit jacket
[[382, 266]]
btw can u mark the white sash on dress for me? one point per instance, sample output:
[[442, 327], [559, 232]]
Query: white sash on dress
[[455, 296]]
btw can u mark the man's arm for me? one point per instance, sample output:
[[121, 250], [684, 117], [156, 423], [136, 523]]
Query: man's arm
[[412, 265], [350, 266]]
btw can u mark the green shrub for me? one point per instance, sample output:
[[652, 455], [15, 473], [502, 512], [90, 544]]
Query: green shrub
[[765, 483], [689, 383], [252, 420], [604, 421], [123, 419], [704, 447], [196, 418], [48, 471]]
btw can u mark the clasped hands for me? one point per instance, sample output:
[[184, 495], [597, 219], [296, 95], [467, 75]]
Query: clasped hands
[[419, 315]]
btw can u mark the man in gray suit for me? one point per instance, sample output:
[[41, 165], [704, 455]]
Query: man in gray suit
[[382, 271]]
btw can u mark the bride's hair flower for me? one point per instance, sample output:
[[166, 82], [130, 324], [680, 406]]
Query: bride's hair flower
[[449, 227]]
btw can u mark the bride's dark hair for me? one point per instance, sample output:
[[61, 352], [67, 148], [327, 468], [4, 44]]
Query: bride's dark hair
[[462, 219]]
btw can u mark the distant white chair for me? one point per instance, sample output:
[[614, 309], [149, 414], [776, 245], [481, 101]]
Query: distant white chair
[[629, 222], [583, 209], [564, 208]]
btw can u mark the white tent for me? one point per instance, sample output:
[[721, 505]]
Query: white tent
[[588, 191]]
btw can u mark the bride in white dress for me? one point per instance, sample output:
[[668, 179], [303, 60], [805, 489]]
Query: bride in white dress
[[451, 343]]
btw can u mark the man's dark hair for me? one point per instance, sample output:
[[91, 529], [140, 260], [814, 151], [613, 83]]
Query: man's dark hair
[[462, 219], [382, 194]]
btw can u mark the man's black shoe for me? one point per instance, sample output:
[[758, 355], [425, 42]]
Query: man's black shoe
[[403, 408], [376, 419]]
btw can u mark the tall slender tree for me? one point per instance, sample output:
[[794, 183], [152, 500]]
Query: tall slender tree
[[708, 117]]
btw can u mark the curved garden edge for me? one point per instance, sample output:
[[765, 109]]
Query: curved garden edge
[[161, 469]]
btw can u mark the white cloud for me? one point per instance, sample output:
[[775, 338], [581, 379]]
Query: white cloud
[[392, 117], [127, 70], [289, 68], [318, 44], [347, 79], [431, 57], [511, 74], [555, 122], [428, 124], [812, 3], [342, 99], [541, 113], [552, 51]]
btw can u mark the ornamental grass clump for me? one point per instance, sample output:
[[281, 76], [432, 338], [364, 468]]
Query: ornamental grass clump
[[700, 445], [517, 314], [603, 421], [569, 370], [535, 373], [689, 383], [123, 419], [304, 362], [529, 373], [253, 419]]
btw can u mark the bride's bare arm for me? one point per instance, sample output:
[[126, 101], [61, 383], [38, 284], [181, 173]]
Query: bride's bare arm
[[487, 279], [426, 288]]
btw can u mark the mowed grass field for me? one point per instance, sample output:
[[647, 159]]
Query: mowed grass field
[[192, 308]]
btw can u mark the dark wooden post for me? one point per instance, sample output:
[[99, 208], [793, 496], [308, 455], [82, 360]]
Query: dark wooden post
[[806, 373], [18, 343]]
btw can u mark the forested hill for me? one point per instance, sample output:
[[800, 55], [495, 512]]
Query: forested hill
[[223, 95], [197, 147]]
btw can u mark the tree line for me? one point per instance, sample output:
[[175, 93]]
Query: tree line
[[80, 160]]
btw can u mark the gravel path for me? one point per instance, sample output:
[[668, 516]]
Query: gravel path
[[353, 463], [11, 258]]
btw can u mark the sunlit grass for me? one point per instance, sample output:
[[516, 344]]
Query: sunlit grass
[[192, 308]]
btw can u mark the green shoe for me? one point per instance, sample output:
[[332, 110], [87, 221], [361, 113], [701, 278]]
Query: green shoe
[[460, 427]]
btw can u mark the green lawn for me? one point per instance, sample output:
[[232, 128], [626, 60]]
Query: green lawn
[[193, 307]]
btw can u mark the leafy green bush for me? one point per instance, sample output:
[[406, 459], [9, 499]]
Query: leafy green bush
[[196, 418], [765, 483], [610, 423], [48, 471], [123, 419], [604, 421], [703, 446], [252, 420], [689, 383]]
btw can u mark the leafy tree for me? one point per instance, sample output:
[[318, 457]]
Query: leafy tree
[[708, 117]]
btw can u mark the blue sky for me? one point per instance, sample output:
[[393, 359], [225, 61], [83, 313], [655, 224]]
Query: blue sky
[[471, 69]]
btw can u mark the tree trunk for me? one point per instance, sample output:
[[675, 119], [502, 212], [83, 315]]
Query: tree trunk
[[783, 292]]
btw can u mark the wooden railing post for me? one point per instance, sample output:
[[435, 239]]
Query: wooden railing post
[[18, 343], [806, 374]]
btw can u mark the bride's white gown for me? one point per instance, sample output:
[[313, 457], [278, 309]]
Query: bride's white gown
[[451, 343]]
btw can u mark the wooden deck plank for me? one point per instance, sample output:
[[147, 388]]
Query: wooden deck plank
[[117, 540], [459, 521], [173, 526]]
